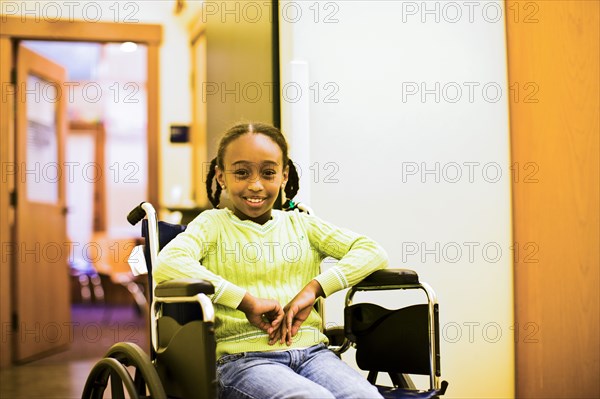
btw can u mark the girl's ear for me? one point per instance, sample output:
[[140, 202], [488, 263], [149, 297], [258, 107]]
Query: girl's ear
[[220, 176]]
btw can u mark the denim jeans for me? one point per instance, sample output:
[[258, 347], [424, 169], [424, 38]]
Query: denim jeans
[[314, 372]]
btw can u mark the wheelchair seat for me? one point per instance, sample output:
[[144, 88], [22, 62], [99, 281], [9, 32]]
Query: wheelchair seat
[[181, 363]]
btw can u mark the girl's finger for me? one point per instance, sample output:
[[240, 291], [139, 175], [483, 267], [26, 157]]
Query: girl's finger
[[288, 335], [283, 330], [274, 336], [288, 325], [278, 320], [263, 325], [296, 327]]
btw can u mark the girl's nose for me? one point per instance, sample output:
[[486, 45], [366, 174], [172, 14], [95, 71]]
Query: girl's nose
[[255, 185]]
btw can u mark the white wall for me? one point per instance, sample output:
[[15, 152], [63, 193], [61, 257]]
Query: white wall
[[378, 138]]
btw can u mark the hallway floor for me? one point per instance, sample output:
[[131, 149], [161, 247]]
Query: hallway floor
[[63, 375]]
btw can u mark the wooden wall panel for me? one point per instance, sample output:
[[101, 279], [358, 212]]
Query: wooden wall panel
[[6, 211], [238, 73], [553, 63]]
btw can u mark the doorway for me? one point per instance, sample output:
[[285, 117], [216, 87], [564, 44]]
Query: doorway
[[106, 143], [15, 30]]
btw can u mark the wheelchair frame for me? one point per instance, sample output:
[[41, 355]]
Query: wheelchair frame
[[146, 379], [433, 322], [208, 312]]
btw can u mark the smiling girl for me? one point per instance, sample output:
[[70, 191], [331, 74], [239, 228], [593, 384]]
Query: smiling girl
[[265, 266]]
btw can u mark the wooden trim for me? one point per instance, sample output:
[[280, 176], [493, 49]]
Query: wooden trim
[[199, 124], [197, 35], [82, 126], [100, 201], [275, 64], [196, 27], [81, 31], [197, 31], [153, 120], [6, 154]]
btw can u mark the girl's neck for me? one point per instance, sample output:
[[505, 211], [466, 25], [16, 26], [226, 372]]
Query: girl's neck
[[262, 219]]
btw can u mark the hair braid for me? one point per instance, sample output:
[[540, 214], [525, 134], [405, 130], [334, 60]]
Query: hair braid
[[292, 185], [209, 180]]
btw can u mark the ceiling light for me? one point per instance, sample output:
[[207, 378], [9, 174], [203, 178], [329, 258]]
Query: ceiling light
[[128, 47]]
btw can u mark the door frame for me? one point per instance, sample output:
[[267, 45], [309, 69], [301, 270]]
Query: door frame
[[200, 160], [15, 29]]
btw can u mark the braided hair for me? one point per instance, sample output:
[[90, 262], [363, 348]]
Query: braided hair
[[292, 186]]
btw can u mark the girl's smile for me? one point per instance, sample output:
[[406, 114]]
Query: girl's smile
[[254, 201]]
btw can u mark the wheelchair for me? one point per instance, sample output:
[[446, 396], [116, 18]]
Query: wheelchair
[[181, 363]]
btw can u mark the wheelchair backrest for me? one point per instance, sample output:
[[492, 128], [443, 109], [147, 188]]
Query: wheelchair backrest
[[166, 232], [392, 341]]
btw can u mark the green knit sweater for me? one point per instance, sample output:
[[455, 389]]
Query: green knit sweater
[[274, 261]]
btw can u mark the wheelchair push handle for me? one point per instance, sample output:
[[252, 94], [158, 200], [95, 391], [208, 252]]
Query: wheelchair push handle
[[136, 214]]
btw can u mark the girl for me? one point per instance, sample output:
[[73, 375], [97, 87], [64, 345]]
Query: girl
[[265, 266]]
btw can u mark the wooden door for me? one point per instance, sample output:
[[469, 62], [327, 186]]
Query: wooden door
[[553, 65], [41, 276]]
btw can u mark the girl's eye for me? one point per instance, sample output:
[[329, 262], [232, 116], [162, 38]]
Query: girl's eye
[[241, 173], [269, 173]]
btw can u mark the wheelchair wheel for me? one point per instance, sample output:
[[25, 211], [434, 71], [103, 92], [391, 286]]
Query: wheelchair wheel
[[144, 384]]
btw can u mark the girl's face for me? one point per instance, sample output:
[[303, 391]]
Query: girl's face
[[254, 173]]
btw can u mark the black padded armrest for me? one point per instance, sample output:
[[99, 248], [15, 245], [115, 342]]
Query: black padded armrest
[[389, 277], [183, 287]]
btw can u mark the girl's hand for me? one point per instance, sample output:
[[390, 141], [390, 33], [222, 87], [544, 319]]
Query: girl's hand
[[265, 314], [298, 310]]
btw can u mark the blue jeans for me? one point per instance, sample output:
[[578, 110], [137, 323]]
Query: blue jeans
[[314, 372]]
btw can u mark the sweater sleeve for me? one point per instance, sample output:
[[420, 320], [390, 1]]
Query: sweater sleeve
[[182, 257], [358, 255]]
